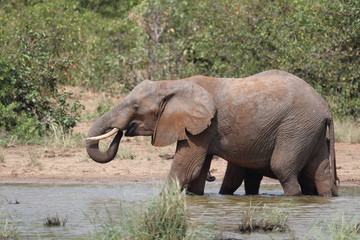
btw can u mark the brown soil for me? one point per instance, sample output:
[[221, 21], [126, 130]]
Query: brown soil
[[70, 165], [138, 161]]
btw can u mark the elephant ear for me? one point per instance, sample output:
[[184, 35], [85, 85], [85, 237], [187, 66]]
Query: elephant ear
[[185, 107]]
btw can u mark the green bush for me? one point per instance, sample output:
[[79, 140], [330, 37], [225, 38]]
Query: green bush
[[33, 65], [111, 46], [318, 41], [30, 101]]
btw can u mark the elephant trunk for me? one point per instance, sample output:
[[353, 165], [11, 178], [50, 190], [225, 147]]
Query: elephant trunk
[[101, 126]]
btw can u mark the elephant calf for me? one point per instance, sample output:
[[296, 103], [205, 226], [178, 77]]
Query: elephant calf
[[272, 123]]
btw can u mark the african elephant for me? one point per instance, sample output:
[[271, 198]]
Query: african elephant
[[272, 122]]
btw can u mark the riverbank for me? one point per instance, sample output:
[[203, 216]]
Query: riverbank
[[137, 161]]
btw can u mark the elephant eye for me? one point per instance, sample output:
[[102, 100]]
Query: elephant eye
[[136, 107]]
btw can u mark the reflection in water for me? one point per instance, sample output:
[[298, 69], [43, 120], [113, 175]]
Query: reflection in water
[[79, 202]]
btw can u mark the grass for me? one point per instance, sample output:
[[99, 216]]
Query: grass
[[164, 218], [55, 221], [55, 137], [125, 153], [347, 131], [338, 227], [33, 160], [7, 229], [6, 139], [85, 158], [60, 138], [264, 219], [2, 157]]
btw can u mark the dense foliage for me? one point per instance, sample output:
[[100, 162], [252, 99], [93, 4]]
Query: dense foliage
[[112, 45]]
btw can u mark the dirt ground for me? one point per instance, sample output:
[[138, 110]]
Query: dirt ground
[[137, 160], [35, 164]]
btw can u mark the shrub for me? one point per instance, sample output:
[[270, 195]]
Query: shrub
[[29, 96], [111, 46], [315, 40], [30, 103]]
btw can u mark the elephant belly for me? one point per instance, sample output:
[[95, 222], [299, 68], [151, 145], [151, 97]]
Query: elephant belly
[[249, 149], [243, 156], [251, 161]]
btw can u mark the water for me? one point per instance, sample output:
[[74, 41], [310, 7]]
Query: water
[[84, 203]]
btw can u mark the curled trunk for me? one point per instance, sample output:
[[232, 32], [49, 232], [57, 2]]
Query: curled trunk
[[100, 127]]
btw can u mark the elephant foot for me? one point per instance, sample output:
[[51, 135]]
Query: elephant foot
[[327, 194], [194, 194], [227, 191], [251, 194], [292, 190], [330, 193]]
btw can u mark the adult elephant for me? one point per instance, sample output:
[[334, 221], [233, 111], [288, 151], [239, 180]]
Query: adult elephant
[[272, 122]]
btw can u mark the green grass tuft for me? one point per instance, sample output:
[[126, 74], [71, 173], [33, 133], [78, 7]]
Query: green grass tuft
[[125, 153], [54, 137], [164, 218], [264, 219], [336, 228], [7, 228]]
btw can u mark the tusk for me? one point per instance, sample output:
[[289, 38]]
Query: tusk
[[106, 135]]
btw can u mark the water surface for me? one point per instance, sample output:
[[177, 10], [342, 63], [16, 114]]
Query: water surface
[[83, 204]]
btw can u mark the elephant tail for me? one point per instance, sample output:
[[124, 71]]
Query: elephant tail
[[331, 145]]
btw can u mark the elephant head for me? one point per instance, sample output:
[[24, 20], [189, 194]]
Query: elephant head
[[166, 110]]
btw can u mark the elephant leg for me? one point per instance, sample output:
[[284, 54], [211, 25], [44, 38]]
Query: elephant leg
[[188, 162], [319, 169], [286, 165], [307, 184], [252, 182], [233, 178], [197, 186]]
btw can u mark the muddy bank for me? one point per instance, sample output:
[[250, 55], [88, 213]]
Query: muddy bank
[[137, 161]]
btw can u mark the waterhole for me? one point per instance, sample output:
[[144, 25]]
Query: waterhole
[[84, 206]]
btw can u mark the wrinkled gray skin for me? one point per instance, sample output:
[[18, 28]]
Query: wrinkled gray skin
[[272, 123], [235, 175]]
